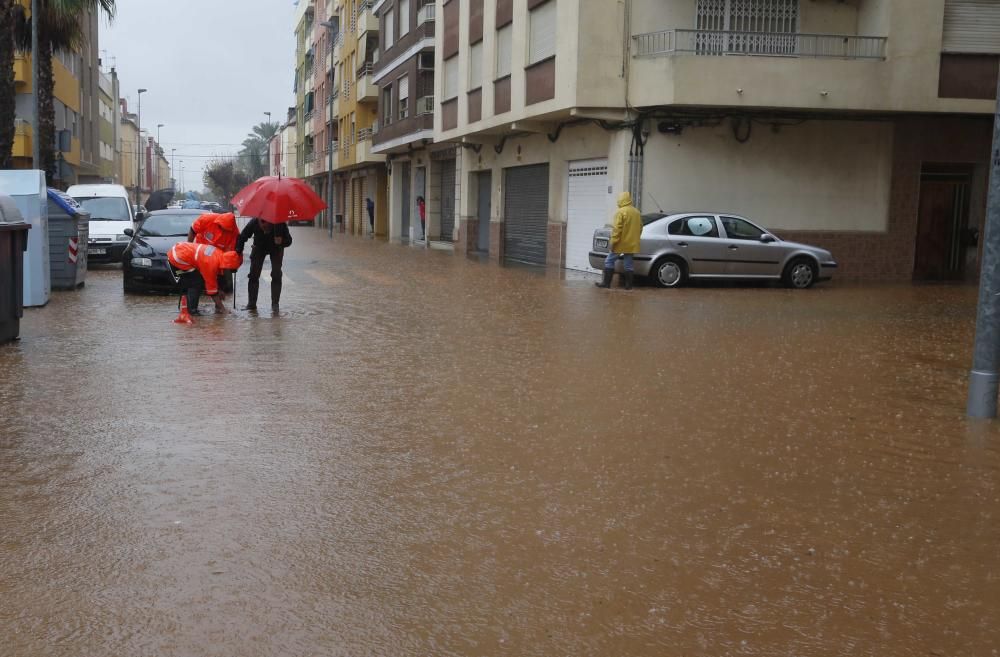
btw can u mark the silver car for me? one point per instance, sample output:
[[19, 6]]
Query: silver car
[[676, 247]]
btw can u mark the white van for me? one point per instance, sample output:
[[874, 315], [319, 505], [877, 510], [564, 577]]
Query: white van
[[110, 214]]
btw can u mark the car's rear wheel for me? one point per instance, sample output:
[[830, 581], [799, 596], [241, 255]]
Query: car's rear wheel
[[669, 272], [800, 274]]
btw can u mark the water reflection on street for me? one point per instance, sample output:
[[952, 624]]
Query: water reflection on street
[[425, 454]]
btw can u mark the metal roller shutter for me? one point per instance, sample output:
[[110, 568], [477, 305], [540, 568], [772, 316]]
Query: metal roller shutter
[[526, 213], [447, 200], [588, 208], [971, 26]]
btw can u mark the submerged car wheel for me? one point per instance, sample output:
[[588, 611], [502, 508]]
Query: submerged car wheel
[[800, 274], [669, 272]]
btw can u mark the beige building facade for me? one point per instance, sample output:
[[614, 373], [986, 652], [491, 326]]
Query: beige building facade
[[860, 125]]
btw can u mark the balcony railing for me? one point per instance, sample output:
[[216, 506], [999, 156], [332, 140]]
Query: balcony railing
[[364, 70], [768, 44], [310, 156], [426, 14], [365, 134], [425, 105]]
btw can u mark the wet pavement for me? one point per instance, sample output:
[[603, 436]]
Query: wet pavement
[[425, 454]]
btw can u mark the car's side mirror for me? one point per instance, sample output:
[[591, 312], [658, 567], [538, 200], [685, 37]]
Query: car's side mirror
[[140, 216], [767, 239], [128, 232]]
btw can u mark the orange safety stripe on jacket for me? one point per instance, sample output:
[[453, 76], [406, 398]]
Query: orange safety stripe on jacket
[[188, 256], [216, 229]]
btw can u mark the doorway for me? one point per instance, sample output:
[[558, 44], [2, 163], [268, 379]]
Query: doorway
[[943, 231], [485, 185], [404, 229], [420, 191]]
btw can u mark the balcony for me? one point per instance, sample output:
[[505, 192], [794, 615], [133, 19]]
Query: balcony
[[366, 21], [334, 99], [425, 105], [367, 90], [363, 150], [22, 72], [22, 138], [712, 68], [767, 44], [426, 14]]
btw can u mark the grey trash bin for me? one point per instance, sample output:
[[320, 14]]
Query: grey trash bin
[[13, 243], [69, 228]]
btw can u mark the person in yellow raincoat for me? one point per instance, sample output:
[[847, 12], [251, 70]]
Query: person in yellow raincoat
[[626, 231]]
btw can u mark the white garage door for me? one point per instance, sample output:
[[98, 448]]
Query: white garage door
[[588, 208]]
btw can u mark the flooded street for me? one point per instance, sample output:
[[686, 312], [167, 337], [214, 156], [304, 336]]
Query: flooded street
[[429, 455]]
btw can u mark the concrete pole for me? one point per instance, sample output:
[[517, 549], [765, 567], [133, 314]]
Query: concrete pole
[[984, 377], [36, 145]]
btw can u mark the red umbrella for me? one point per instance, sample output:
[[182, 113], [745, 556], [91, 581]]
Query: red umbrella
[[278, 200]]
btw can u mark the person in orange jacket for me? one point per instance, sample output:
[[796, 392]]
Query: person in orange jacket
[[216, 229], [199, 266]]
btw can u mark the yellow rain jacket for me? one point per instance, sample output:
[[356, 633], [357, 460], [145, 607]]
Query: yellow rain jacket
[[626, 228]]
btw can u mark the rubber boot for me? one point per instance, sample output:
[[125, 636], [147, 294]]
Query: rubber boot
[[628, 280], [253, 287], [606, 281], [275, 290], [193, 297]]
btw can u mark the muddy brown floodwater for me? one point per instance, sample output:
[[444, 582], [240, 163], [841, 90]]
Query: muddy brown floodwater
[[429, 455]]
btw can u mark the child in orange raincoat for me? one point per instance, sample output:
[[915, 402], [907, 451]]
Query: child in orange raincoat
[[199, 266]]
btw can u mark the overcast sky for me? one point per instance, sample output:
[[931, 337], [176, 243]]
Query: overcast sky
[[211, 68]]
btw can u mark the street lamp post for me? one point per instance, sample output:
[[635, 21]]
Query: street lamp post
[[138, 154], [158, 151], [36, 144], [331, 30]]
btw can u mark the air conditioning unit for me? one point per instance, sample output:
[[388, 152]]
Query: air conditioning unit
[[425, 61]]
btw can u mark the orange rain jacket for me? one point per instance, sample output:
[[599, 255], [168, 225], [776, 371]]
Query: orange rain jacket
[[216, 229], [207, 259]]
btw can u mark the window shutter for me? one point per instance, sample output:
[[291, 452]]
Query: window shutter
[[451, 78], [404, 17], [542, 38], [404, 87], [476, 66], [388, 29], [971, 26], [504, 50]]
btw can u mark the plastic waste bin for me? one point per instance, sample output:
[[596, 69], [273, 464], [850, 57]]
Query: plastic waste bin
[[27, 188], [13, 244], [69, 228]]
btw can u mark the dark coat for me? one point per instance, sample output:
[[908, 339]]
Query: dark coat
[[264, 241]]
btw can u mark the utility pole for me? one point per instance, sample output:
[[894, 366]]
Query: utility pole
[[332, 31], [36, 144], [138, 148], [173, 171], [984, 377]]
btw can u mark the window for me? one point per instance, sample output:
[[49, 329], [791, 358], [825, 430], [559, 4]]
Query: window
[[738, 229], [387, 105], [404, 17], [504, 50], [476, 66], [388, 29], [730, 25], [404, 96], [451, 78], [542, 32], [694, 227]]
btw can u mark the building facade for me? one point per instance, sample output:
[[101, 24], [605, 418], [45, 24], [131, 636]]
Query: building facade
[[863, 126], [109, 113], [127, 149], [404, 74]]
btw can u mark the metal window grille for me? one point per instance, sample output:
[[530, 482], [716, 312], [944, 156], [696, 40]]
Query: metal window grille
[[759, 27]]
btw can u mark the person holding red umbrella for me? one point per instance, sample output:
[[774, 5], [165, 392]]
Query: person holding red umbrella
[[269, 241], [273, 201]]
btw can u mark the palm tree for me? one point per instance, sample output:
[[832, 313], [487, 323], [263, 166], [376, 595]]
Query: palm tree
[[7, 105], [60, 28], [265, 131]]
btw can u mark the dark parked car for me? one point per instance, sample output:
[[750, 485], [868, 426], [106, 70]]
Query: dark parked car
[[144, 264]]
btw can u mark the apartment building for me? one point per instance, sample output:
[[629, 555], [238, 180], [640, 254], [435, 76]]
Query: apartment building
[[108, 127], [860, 125], [77, 117], [127, 149], [404, 74]]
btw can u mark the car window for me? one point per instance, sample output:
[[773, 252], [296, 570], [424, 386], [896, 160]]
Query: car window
[[694, 227], [105, 208], [738, 229], [166, 225], [650, 218]]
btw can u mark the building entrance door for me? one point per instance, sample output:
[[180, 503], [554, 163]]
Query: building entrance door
[[405, 202], [943, 223], [485, 181]]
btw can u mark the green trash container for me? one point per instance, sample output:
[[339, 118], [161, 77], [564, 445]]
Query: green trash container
[[69, 228], [13, 244]]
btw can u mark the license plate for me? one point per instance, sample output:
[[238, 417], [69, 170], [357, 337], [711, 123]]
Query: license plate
[[603, 244], [99, 251]]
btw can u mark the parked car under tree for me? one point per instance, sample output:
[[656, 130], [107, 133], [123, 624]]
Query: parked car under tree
[[704, 245]]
